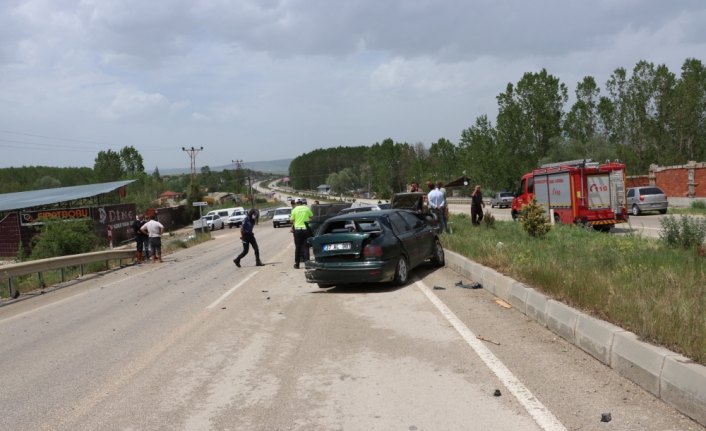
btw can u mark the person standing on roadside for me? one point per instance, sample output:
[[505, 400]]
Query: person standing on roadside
[[141, 239], [477, 206], [154, 229], [437, 205], [301, 214], [248, 238]]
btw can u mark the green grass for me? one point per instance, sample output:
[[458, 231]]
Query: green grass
[[637, 283], [698, 207]]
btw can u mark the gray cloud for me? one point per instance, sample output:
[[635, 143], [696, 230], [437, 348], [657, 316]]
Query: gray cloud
[[258, 80]]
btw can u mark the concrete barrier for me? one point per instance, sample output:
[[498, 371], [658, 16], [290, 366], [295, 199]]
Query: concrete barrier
[[561, 319], [517, 297], [595, 337], [536, 307], [684, 386], [640, 362]]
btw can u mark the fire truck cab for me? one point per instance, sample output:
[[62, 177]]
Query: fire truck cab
[[579, 192]]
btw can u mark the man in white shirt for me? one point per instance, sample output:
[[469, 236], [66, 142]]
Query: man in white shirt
[[437, 205], [154, 229]]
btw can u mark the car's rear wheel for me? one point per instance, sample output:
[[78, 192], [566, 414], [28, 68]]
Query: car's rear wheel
[[437, 257], [401, 272], [664, 211], [635, 210]]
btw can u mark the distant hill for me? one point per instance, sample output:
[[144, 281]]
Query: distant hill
[[272, 166]]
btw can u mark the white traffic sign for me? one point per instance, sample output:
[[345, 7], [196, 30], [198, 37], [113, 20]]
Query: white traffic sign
[[199, 204]]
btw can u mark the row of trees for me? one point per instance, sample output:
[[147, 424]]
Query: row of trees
[[650, 116], [127, 164]]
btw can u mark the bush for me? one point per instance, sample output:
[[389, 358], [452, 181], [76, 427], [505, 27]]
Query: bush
[[698, 205], [61, 238], [686, 232], [534, 221]]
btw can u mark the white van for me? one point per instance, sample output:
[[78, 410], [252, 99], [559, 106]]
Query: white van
[[225, 213]]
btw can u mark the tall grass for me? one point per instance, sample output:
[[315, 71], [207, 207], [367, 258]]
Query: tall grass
[[637, 283]]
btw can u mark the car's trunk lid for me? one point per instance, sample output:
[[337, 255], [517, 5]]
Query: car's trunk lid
[[339, 245]]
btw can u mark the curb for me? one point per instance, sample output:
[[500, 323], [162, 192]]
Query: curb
[[667, 375]]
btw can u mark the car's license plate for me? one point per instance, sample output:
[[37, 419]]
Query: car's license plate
[[337, 246]]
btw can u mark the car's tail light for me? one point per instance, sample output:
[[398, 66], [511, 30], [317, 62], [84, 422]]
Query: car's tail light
[[371, 250]]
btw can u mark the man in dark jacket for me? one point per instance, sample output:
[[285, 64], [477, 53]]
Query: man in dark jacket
[[248, 238], [142, 250]]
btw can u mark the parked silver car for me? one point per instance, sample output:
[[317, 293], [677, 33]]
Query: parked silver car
[[502, 199], [648, 198]]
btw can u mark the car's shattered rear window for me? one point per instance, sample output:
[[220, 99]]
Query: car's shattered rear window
[[343, 226]]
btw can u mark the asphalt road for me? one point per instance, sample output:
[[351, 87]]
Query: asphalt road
[[195, 343]]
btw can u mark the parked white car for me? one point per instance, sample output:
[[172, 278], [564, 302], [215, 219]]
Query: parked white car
[[213, 221]]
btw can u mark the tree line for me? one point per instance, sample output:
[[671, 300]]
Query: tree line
[[128, 164], [646, 116]]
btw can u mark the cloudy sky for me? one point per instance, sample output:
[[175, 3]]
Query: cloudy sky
[[259, 80]]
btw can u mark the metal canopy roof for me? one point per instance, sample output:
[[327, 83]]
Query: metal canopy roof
[[35, 198]]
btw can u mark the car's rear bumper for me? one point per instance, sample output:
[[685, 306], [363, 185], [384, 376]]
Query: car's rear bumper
[[350, 272], [654, 206]]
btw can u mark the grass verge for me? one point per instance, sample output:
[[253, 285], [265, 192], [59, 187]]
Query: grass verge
[[637, 283]]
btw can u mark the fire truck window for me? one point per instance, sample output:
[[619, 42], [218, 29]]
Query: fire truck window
[[530, 185]]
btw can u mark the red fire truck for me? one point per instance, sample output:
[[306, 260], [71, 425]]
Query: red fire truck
[[577, 192]]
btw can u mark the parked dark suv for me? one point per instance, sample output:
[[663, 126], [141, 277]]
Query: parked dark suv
[[649, 198]]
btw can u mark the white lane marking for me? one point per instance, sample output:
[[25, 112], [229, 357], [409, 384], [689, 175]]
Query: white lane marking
[[233, 289], [541, 415]]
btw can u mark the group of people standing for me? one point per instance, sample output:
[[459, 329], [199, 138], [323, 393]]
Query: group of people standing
[[436, 200], [148, 238]]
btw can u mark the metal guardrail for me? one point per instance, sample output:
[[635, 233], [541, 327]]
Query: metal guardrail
[[7, 272]]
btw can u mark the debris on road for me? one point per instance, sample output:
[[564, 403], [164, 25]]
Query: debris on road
[[502, 303], [482, 338], [439, 288], [497, 393], [606, 417], [469, 286]]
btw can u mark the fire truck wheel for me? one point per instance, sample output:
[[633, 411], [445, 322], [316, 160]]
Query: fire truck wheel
[[557, 219], [635, 210]]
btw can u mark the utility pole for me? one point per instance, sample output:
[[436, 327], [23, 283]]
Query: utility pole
[[238, 173], [252, 201], [192, 155]]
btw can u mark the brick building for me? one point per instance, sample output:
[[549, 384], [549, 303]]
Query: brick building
[[679, 181]]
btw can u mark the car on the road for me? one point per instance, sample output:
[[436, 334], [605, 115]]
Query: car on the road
[[237, 218], [281, 217], [646, 198], [213, 221], [372, 247], [502, 200]]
